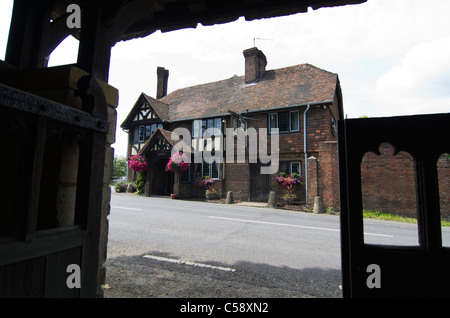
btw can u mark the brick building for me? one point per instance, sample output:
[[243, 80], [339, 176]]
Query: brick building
[[304, 102]]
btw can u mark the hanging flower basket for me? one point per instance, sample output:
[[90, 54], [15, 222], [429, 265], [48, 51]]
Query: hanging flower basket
[[138, 163], [289, 181], [178, 162]]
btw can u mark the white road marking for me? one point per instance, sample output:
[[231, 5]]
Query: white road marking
[[180, 261], [292, 225], [121, 207]]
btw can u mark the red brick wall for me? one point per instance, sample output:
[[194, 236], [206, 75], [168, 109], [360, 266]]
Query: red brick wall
[[323, 175], [443, 166], [388, 182], [329, 174]]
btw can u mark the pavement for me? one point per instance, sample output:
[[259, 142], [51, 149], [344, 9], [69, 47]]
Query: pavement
[[254, 204]]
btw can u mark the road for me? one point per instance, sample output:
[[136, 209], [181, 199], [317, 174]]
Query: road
[[160, 247]]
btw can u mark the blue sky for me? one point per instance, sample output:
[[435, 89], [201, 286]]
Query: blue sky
[[392, 56]]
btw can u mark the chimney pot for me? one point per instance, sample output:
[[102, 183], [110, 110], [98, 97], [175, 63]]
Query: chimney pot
[[162, 79], [255, 64]]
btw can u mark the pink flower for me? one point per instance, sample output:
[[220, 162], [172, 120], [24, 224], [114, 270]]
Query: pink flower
[[288, 181], [138, 163], [178, 162]]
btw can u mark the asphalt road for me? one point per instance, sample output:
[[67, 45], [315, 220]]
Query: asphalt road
[[160, 247]]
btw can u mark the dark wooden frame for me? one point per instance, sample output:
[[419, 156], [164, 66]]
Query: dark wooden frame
[[405, 271], [33, 263]]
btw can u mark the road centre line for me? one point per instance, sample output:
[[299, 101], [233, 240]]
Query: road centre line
[[183, 262], [291, 225], [121, 207]]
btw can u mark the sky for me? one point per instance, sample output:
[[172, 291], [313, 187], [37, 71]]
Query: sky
[[392, 56]]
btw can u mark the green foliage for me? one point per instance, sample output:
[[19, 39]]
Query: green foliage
[[120, 187], [140, 182], [119, 167]]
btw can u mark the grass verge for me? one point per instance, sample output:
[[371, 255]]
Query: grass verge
[[396, 218]]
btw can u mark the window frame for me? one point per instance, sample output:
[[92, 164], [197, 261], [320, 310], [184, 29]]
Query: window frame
[[299, 167], [290, 164], [298, 121], [285, 115], [277, 120], [203, 124], [210, 165], [141, 133]]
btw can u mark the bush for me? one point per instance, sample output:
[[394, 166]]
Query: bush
[[121, 187], [140, 183]]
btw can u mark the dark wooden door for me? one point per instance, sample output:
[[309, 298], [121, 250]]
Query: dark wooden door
[[259, 184], [402, 271], [162, 180]]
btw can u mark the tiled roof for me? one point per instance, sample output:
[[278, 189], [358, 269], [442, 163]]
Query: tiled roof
[[295, 85], [160, 108], [167, 135]]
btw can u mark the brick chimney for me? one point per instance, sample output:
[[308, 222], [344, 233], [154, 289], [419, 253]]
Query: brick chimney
[[255, 64], [161, 85]]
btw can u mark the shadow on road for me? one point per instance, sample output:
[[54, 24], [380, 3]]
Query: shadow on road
[[139, 277]]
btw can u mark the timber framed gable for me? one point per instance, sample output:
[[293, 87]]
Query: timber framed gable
[[145, 113], [146, 110]]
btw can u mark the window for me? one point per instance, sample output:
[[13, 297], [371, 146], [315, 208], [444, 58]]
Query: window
[[205, 124], [212, 169], [210, 123], [288, 121], [295, 121], [141, 133], [273, 121], [290, 167], [196, 128], [333, 126], [148, 132], [144, 132], [283, 121], [218, 123], [295, 168], [153, 128]]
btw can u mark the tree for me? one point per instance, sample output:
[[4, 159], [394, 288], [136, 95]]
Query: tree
[[119, 167]]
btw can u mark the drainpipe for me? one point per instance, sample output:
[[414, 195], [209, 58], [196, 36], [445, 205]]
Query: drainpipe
[[306, 154]]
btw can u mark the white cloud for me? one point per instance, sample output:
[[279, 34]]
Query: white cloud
[[420, 83]]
